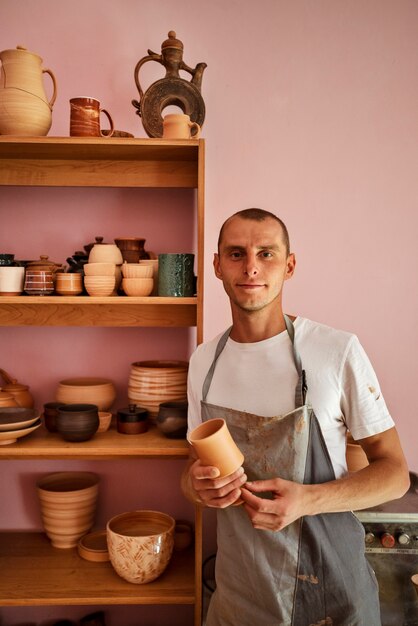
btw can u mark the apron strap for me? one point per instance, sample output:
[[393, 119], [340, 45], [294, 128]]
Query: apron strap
[[221, 345], [301, 387]]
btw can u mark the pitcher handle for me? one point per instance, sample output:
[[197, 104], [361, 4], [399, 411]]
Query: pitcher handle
[[54, 82]]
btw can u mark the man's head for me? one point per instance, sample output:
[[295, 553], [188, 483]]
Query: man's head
[[258, 215]]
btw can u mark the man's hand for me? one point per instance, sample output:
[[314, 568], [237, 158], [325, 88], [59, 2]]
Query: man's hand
[[214, 491], [286, 506]]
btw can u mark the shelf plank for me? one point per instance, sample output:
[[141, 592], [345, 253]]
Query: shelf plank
[[98, 162], [41, 444], [114, 311], [36, 574]]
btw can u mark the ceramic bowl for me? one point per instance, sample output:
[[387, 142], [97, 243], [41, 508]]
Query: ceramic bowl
[[172, 419], [87, 390], [137, 270], [100, 285], [105, 253], [68, 505], [68, 284], [99, 269], [140, 544], [154, 264], [50, 415], [137, 286], [105, 419], [153, 382], [77, 422]]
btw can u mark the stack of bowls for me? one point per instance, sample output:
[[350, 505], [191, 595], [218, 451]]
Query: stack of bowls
[[154, 264], [68, 505], [68, 284], [154, 382], [137, 279], [100, 278], [140, 544], [87, 390]]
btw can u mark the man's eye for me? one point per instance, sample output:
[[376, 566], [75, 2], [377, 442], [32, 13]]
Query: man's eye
[[266, 254], [236, 254]]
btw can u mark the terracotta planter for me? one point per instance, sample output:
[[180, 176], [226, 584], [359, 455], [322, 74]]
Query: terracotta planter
[[87, 390], [68, 505], [140, 544]]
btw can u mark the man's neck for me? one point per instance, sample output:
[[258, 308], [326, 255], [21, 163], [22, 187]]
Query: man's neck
[[250, 327]]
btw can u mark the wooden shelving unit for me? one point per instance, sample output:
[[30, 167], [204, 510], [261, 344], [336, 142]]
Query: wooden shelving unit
[[38, 574]]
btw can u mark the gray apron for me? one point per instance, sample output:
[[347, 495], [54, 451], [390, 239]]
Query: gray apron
[[314, 571]]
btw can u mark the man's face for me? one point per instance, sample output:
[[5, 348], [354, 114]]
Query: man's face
[[252, 263]]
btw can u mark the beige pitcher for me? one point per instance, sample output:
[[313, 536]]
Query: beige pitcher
[[24, 107]]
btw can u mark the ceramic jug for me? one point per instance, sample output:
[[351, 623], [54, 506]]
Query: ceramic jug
[[18, 391], [24, 106]]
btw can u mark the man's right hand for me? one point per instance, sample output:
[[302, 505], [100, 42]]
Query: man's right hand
[[214, 491]]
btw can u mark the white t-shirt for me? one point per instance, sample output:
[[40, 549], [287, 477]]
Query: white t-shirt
[[261, 377]]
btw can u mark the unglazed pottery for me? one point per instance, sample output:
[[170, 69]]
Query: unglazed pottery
[[87, 390], [132, 248], [153, 382], [93, 547], [68, 284], [140, 287], [24, 106], [215, 446], [19, 391], [17, 418], [179, 126], [154, 264], [99, 269], [105, 253], [85, 118], [7, 399], [140, 544], [137, 270], [68, 505], [105, 419], [183, 534], [11, 436], [100, 286], [77, 422]]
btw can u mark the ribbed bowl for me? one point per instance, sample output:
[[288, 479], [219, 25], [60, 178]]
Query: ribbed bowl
[[140, 544], [137, 270], [68, 505], [153, 382], [87, 390], [77, 422], [137, 286]]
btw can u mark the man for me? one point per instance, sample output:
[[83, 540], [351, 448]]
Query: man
[[292, 553]]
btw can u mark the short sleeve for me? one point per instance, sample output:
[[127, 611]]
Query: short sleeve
[[362, 403]]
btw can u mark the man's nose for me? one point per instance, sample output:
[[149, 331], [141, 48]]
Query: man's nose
[[251, 267]]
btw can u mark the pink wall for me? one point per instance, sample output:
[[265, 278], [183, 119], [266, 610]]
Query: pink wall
[[311, 113]]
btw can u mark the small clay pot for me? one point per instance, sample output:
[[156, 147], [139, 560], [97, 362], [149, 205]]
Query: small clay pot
[[214, 445], [77, 422], [172, 419], [133, 420], [183, 534]]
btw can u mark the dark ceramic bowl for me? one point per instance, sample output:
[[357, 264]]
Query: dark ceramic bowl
[[77, 422], [50, 415], [172, 419], [133, 420]]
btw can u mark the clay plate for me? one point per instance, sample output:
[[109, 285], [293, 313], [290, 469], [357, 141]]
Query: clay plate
[[16, 418], [11, 436], [93, 547]]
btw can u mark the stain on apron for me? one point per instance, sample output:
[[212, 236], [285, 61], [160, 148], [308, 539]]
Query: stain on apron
[[314, 571]]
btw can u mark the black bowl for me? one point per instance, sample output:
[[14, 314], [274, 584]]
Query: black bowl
[[172, 419], [77, 422]]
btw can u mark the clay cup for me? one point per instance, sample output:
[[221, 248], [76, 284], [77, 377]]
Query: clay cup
[[214, 445]]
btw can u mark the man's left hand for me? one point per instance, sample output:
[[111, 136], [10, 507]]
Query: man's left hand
[[286, 506]]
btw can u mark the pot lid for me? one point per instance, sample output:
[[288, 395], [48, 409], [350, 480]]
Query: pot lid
[[172, 42], [133, 413], [43, 262]]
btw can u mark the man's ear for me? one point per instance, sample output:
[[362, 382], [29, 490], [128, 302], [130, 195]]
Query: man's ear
[[290, 266], [216, 266]]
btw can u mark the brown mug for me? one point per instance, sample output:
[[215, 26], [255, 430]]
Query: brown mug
[[85, 118]]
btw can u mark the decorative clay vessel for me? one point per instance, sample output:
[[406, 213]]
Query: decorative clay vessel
[[24, 106], [19, 391]]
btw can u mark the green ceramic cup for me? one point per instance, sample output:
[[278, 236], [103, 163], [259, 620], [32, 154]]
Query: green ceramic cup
[[175, 275]]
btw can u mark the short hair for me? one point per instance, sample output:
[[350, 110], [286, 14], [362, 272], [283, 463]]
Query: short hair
[[258, 215]]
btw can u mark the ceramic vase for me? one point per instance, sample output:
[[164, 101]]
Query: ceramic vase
[[68, 505]]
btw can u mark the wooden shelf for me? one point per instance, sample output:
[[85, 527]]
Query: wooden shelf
[[41, 444], [35, 573], [98, 162], [114, 311]]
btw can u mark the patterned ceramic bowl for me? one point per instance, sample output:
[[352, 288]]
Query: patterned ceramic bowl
[[140, 544]]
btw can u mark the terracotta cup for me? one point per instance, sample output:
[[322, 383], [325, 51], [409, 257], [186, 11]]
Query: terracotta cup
[[179, 126], [85, 118], [214, 445]]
